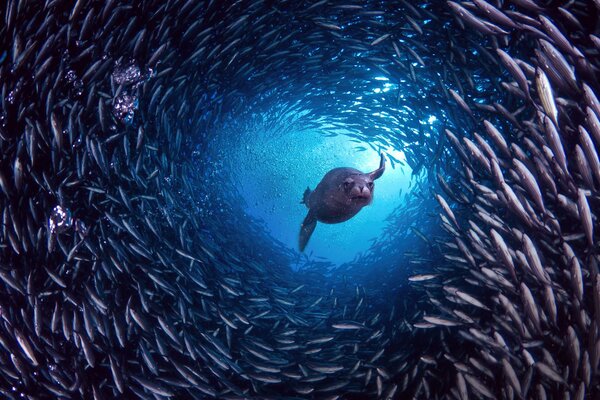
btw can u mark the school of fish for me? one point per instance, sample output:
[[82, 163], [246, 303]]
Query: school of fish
[[125, 265]]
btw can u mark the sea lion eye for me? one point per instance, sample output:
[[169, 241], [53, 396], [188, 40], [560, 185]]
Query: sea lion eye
[[346, 184], [370, 184]]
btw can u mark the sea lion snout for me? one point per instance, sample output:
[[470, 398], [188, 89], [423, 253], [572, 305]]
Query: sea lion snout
[[357, 190], [361, 190]]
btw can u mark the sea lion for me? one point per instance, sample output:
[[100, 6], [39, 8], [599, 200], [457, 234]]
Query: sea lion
[[340, 195]]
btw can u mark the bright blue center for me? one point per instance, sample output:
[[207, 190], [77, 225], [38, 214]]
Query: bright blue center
[[274, 172]]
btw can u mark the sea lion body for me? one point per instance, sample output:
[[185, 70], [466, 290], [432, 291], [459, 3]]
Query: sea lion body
[[326, 201], [340, 195]]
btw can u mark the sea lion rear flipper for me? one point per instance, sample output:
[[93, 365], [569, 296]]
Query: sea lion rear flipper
[[306, 229]]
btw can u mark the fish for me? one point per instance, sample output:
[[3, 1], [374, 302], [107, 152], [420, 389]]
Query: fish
[[422, 277], [440, 321], [348, 325], [544, 90], [486, 28]]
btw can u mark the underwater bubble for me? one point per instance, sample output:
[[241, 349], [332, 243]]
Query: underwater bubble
[[131, 75], [125, 75], [124, 107], [71, 75], [60, 220], [11, 97], [76, 83]]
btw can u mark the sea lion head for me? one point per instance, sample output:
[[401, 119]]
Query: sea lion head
[[358, 188]]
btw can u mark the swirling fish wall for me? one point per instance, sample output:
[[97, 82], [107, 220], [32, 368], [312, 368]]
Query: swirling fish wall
[[129, 270]]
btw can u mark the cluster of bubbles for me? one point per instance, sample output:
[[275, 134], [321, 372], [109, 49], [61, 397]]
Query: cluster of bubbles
[[127, 75], [76, 83], [124, 107], [125, 103], [60, 221]]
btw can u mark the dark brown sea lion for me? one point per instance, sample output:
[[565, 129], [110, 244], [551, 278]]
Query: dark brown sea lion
[[340, 195]]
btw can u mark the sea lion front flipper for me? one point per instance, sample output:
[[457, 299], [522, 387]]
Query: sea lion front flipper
[[305, 196], [306, 229], [379, 171]]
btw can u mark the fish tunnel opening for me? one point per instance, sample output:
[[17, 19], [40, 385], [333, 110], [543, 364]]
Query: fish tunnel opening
[[153, 156], [283, 139], [276, 160]]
